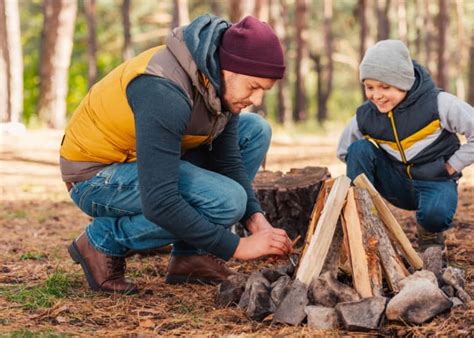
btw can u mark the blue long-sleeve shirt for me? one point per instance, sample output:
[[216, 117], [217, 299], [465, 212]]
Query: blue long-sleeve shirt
[[162, 112]]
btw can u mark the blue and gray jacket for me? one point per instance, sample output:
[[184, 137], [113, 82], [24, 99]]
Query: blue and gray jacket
[[419, 135]]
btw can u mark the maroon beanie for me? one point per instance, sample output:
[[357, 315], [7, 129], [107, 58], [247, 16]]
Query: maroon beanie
[[251, 47]]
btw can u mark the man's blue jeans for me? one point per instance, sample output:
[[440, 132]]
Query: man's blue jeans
[[435, 202], [112, 197]]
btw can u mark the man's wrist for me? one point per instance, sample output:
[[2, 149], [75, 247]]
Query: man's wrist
[[255, 222]]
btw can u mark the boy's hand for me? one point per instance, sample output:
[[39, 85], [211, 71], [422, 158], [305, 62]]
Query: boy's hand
[[451, 171], [269, 241]]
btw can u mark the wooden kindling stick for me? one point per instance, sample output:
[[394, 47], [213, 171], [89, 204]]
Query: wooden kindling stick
[[390, 222]]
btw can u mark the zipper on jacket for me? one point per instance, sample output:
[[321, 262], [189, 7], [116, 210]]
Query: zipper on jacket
[[210, 138], [399, 145]]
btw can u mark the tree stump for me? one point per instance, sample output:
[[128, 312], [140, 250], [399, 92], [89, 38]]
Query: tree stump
[[288, 199]]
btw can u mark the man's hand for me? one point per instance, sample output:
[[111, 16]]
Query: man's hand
[[257, 222], [265, 240], [449, 168]]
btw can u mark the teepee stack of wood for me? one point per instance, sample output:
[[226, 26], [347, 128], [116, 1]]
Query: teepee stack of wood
[[373, 240], [353, 230]]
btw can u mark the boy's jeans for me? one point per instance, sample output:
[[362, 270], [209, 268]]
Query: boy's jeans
[[435, 202], [112, 197]]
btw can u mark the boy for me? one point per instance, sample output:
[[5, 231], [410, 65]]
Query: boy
[[403, 138]]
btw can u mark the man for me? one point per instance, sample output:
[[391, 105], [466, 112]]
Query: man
[[157, 153]]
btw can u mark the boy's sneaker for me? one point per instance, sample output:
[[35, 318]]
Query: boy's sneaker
[[428, 239], [432, 248]]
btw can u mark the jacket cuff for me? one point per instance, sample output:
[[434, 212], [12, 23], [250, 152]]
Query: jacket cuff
[[227, 244], [252, 208], [456, 163]]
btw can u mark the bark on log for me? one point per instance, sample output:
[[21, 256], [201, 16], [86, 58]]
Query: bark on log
[[390, 222], [392, 267], [288, 199], [370, 242]]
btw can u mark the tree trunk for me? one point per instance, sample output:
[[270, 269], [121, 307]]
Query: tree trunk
[[420, 17], [261, 10], [402, 21], [239, 9], [324, 64], [216, 7], [127, 51], [288, 199], [429, 33], [180, 13], [383, 21], [462, 52], [90, 9], [235, 12], [442, 23], [279, 21], [470, 96], [11, 63], [299, 111], [56, 49], [4, 67], [363, 33], [328, 45]]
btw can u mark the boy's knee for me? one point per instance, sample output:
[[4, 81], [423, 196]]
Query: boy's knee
[[361, 149], [435, 219]]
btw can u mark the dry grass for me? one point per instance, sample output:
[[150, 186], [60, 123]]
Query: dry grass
[[42, 292]]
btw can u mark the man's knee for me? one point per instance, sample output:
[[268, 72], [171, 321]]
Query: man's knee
[[361, 149], [233, 204], [258, 125]]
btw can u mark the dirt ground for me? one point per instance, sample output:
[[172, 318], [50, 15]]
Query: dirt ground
[[42, 291]]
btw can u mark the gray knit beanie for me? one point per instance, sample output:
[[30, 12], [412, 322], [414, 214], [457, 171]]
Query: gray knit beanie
[[388, 61]]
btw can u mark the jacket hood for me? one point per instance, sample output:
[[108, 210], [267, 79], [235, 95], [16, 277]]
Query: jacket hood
[[202, 37], [175, 42], [423, 84]]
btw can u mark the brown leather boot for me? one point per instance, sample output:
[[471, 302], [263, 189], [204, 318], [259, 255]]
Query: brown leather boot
[[204, 269], [103, 273]]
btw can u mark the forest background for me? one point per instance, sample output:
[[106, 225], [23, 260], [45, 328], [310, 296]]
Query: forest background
[[52, 51]]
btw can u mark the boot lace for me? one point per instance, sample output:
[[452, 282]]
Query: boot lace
[[218, 260], [116, 267]]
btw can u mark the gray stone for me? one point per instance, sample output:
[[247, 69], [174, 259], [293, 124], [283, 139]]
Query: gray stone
[[230, 290], [244, 299], [280, 288], [448, 290], [288, 269], [455, 278], [463, 295], [418, 301], [456, 302], [362, 315], [291, 309], [321, 317], [256, 299], [422, 274], [272, 275], [328, 291], [433, 260]]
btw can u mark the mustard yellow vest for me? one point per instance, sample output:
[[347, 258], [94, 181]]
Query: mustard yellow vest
[[102, 129]]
